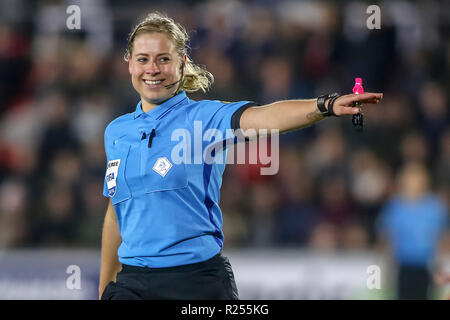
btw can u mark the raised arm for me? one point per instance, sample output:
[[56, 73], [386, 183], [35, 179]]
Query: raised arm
[[291, 115]]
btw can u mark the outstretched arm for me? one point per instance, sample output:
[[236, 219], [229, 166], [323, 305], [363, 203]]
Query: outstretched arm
[[291, 115]]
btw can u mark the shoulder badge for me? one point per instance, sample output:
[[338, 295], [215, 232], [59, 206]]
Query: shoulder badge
[[111, 176]]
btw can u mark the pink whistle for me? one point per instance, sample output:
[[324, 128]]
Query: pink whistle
[[358, 118], [358, 88]]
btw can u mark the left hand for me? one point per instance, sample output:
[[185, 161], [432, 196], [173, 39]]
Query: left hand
[[344, 104]]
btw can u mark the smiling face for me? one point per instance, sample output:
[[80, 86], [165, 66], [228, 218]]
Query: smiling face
[[154, 64]]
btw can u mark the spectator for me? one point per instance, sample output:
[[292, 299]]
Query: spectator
[[336, 205], [442, 169], [433, 104], [13, 223], [56, 221], [370, 184], [298, 213], [324, 237], [263, 208], [415, 148]]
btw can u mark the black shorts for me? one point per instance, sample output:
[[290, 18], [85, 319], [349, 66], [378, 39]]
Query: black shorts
[[413, 283], [212, 279]]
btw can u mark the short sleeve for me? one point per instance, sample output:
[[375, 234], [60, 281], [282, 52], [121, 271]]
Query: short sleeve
[[236, 117], [219, 115], [105, 186]]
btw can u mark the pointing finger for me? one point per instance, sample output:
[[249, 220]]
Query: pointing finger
[[367, 97]]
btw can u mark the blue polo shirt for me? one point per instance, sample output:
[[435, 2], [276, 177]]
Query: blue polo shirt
[[163, 185]]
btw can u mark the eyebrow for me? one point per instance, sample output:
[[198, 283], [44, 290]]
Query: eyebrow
[[146, 54]]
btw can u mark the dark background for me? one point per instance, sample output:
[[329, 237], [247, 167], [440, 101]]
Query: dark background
[[59, 88]]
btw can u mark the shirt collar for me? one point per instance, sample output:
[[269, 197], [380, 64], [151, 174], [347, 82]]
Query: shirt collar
[[160, 110]]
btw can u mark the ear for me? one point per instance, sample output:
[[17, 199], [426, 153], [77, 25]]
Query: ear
[[129, 63]]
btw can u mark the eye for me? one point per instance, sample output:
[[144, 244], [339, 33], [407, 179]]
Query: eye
[[164, 59], [142, 60]]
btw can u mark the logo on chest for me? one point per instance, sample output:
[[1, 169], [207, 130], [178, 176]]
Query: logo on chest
[[162, 166]]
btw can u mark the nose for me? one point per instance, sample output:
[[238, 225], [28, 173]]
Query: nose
[[152, 68]]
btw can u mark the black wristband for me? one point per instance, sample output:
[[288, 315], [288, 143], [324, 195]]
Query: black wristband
[[331, 105], [321, 104]]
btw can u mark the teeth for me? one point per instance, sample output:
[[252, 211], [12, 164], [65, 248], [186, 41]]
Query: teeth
[[152, 82]]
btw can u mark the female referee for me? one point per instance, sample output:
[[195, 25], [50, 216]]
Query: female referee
[[162, 234]]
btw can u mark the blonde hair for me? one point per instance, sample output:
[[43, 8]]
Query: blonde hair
[[195, 77]]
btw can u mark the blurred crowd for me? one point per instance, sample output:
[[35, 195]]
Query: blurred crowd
[[61, 87]]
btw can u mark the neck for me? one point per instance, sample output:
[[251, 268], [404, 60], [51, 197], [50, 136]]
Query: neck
[[149, 105]]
